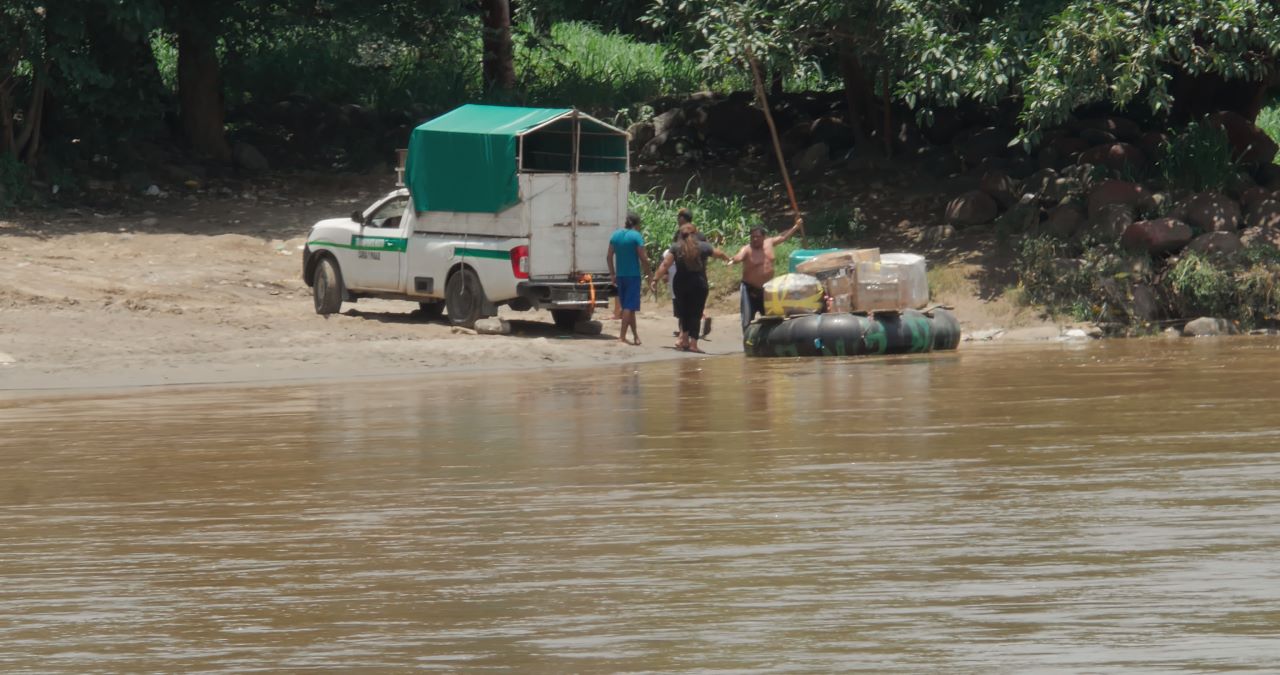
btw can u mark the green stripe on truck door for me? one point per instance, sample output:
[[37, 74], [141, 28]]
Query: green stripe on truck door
[[461, 252]]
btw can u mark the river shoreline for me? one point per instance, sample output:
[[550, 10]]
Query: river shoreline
[[207, 290]]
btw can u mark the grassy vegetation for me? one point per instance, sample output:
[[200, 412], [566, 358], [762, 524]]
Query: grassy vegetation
[[1242, 288], [1199, 159], [726, 221], [577, 64], [1269, 121], [572, 63]]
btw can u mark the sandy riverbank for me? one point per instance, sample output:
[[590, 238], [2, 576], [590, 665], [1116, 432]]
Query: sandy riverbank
[[208, 291]]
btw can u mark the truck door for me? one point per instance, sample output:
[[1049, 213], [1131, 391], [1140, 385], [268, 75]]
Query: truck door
[[558, 247], [379, 247], [602, 209], [550, 226]]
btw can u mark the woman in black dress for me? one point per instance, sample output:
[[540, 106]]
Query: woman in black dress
[[689, 255]]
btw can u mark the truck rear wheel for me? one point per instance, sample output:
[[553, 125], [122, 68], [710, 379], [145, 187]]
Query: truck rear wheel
[[567, 318], [464, 298], [326, 288]]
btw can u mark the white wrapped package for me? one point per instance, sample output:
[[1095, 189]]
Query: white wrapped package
[[913, 282]]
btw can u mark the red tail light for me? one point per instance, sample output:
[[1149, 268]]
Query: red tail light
[[520, 262]]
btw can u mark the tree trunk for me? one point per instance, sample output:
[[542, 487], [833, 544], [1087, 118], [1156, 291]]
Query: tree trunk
[[857, 91], [776, 83], [200, 94], [7, 143], [499, 65], [887, 131]]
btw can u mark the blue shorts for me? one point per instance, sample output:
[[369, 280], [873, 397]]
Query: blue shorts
[[628, 292]]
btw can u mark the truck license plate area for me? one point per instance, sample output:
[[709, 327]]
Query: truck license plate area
[[567, 295]]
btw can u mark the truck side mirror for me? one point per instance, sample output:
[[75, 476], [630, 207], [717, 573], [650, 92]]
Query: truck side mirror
[[357, 216]]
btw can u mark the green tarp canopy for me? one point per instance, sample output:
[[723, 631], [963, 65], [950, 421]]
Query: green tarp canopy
[[468, 158]]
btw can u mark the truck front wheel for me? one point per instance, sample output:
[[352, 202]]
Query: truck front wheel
[[326, 288], [464, 298]]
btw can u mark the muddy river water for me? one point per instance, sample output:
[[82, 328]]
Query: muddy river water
[[1113, 506]]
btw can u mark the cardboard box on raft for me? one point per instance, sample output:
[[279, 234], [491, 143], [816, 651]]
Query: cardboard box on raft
[[828, 264], [895, 282]]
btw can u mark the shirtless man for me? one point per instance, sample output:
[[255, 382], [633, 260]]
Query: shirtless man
[[757, 268]]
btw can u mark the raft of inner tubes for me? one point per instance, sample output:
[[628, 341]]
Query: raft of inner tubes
[[906, 332]]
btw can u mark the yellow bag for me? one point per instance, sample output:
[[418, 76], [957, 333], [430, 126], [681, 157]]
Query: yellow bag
[[792, 294]]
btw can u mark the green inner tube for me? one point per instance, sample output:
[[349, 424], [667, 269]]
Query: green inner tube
[[908, 332]]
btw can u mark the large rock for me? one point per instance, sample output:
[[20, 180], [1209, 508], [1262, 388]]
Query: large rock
[[937, 234], [1000, 187], [1097, 137], [735, 123], [814, 157], [1157, 237], [1152, 144], [1144, 305], [1038, 183], [1117, 192], [1111, 222], [669, 121], [1117, 157], [832, 131], [1216, 242], [669, 144], [1064, 221], [1254, 236], [1251, 198], [1269, 176], [1206, 326], [1049, 158], [971, 208], [1249, 144], [1119, 127], [640, 134], [1213, 212], [1023, 215], [493, 326], [248, 158], [1265, 213], [1069, 147]]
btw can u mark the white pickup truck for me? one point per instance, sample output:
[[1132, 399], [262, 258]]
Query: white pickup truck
[[504, 206]]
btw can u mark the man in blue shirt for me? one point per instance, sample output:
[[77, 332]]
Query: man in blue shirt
[[627, 264]]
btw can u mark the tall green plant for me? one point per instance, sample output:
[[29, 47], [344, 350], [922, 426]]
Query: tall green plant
[[1198, 159]]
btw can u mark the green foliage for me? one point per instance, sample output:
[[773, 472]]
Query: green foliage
[[577, 64], [15, 182], [836, 224], [1067, 280], [725, 221], [1242, 288], [1052, 276], [1199, 159], [1269, 121], [334, 63], [1201, 287], [1127, 51]]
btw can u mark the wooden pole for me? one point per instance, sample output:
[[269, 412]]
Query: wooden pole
[[773, 132]]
